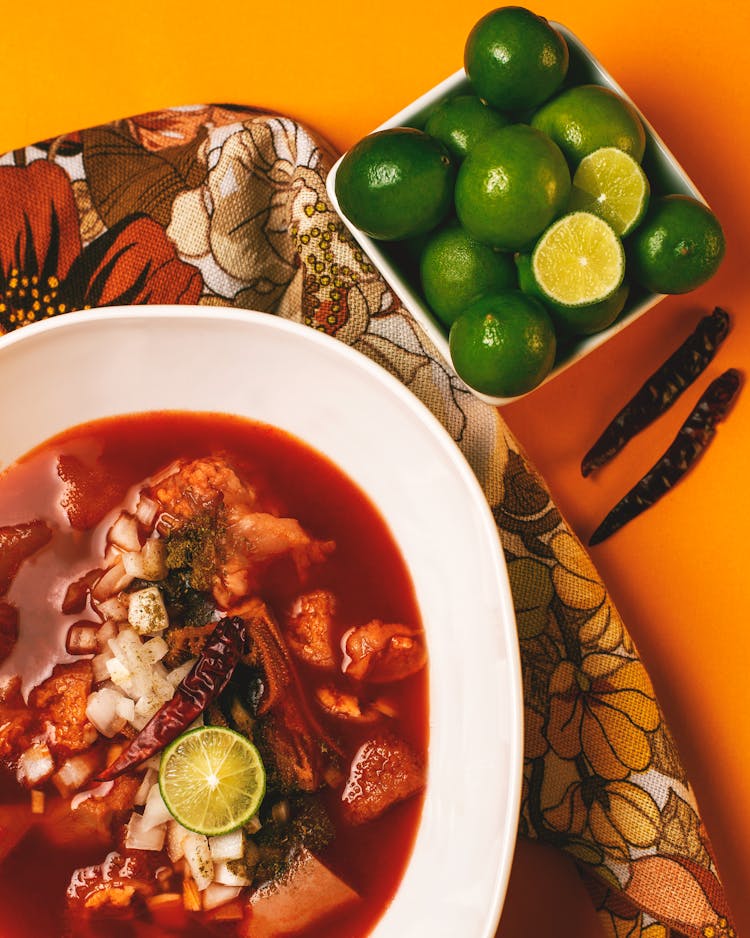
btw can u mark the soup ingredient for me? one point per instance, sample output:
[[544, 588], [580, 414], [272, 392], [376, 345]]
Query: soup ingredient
[[687, 447], [395, 184], [207, 679], [579, 260], [212, 780], [515, 59], [462, 122], [573, 320], [511, 186], [585, 118], [309, 892], [504, 344], [456, 270], [385, 770], [309, 628], [383, 651], [610, 183], [661, 389], [678, 246]]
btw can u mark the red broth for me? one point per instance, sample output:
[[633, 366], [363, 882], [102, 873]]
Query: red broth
[[366, 573]]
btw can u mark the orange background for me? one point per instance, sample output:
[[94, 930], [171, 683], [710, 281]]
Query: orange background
[[343, 67]]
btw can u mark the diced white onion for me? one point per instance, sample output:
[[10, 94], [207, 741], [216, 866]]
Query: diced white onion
[[111, 582], [217, 895], [155, 812], [147, 612], [132, 560], [176, 835], [99, 666], [82, 638], [101, 710], [108, 629], [225, 876], [148, 780], [117, 671], [115, 609], [125, 708], [140, 838], [124, 532], [198, 859], [73, 774], [35, 765], [146, 511], [227, 846], [176, 676], [154, 558], [155, 649]]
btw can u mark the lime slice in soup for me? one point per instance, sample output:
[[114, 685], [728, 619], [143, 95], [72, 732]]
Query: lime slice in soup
[[212, 780]]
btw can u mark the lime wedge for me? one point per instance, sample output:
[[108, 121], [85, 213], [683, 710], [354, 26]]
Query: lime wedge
[[578, 260], [212, 780], [611, 184]]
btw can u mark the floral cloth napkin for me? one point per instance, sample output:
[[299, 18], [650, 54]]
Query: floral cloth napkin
[[226, 206]]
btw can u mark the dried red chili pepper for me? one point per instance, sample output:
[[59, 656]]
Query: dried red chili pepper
[[660, 390], [207, 679], [686, 448]]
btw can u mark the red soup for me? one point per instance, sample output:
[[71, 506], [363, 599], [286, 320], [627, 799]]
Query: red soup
[[171, 573]]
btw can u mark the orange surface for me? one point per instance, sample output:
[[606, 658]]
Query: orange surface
[[677, 572]]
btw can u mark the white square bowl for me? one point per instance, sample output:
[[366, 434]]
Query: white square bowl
[[664, 172]]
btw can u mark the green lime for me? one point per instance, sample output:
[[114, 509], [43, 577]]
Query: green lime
[[455, 270], [461, 122], [515, 59], [678, 246], [511, 186], [611, 184], [396, 183], [588, 117], [212, 780], [579, 260], [573, 320], [504, 344]]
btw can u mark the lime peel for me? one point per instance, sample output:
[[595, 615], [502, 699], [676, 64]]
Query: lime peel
[[212, 780], [579, 260]]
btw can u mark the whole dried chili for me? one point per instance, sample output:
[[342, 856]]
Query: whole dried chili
[[686, 448], [207, 679], [661, 389]]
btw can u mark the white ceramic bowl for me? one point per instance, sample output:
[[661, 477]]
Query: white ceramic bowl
[[664, 172], [91, 365]]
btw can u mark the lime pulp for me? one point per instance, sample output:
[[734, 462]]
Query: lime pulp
[[212, 780]]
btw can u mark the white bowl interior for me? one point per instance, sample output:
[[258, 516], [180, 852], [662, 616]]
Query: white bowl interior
[[659, 162], [92, 365]]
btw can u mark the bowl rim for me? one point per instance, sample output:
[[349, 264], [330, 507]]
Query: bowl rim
[[513, 729], [410, 297]]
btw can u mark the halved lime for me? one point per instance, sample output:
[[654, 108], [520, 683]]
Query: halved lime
[[578, 260], [611, 184], [212, 780]]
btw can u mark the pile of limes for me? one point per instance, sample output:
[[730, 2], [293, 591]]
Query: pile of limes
[[529, 205]]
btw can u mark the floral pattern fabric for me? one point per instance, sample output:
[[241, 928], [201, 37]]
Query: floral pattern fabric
[[221, 205]]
